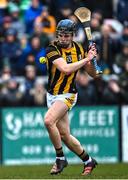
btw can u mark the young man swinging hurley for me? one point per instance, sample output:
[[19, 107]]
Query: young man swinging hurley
[[64, 58]]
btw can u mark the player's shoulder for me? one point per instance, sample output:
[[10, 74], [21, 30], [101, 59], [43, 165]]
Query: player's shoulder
[[77, 44], [79, 47], [52, 52], [51, 47]]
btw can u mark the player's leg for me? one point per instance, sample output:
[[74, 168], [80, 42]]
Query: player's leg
[[71, 142], [56, 112], [74, 145]]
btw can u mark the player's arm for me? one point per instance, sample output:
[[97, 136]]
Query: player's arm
[[62, 65]]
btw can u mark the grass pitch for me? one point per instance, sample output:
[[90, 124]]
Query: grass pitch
[[103, 171]]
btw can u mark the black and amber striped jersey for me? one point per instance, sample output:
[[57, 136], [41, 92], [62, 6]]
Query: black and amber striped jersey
[[59, 82]]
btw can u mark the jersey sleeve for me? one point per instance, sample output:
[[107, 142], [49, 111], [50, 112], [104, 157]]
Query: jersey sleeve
[[52, 53]]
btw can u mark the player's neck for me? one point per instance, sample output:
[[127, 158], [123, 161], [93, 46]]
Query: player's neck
[[70, 46]]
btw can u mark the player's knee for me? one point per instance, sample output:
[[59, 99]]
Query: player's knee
[[65, 136], [48, 120]]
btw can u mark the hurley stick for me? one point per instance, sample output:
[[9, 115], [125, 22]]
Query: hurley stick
[[84, 16]]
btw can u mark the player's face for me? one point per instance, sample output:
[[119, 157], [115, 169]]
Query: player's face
[[65, 40]]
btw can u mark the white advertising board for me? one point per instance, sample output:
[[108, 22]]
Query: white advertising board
[[124, 118]]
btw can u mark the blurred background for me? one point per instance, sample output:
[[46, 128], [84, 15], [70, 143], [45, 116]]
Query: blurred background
[[100, 119]]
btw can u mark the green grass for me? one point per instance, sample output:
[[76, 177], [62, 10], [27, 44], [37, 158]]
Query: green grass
[[103, 171]]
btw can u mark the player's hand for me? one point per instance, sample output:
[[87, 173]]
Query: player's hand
[[92, 52]]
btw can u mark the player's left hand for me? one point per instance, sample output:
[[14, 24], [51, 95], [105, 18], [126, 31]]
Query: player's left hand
[[92, 52], [93, 47]]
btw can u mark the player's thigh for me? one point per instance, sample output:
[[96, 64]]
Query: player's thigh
[[63, 126], [56, 112]]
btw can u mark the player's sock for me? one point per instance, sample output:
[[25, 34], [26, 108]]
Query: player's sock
[[60, 154], [61, 158], [85, 157]]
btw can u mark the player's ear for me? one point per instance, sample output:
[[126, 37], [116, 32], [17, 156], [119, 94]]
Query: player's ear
[[56, 34]]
